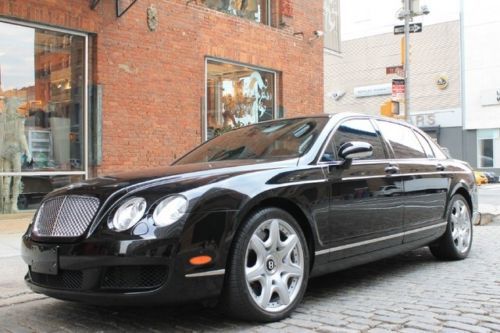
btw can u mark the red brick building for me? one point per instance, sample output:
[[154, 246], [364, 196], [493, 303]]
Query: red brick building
[[139, 90]]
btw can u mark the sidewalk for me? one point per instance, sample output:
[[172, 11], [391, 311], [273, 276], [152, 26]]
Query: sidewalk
[[15, 223]]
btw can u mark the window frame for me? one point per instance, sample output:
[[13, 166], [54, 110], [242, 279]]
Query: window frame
[[392, 148], [85, 109], [204, 116], [268, 8], [328, 140]]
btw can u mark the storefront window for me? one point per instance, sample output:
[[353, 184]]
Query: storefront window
[[255, 10], [42, 80], [488, 146], [237, 96], [486, 153], [332, 24]]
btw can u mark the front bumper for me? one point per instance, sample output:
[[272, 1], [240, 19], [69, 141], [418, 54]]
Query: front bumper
[[117, 270], [86, 273]]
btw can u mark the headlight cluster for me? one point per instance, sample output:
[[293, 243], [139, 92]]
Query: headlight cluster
[[167, 212]]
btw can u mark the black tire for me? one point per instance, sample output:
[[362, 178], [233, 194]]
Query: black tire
[[450, 246], [238, 298]]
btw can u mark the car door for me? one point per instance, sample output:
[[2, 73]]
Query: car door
[[366, 213], [425, 179]]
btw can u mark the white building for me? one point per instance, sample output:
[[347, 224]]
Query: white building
[[457, 43], [481, 25]]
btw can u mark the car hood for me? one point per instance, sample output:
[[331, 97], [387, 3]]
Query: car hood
[[196, 174]]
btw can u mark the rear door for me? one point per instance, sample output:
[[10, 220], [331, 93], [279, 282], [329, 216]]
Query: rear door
[[366, 211], [425, 179]]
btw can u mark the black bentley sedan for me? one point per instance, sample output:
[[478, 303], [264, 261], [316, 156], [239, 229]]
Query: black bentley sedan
[[249, 216]]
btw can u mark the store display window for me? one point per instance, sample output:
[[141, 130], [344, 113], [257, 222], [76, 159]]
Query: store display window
[[237, 95], [488, 148], [42, 113], [255, 10]]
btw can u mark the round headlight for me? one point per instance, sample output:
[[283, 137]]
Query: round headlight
[[129, 213], [170, 210]]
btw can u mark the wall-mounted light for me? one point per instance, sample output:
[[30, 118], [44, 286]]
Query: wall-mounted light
[[336, 95], [317, 34], [299, 33]]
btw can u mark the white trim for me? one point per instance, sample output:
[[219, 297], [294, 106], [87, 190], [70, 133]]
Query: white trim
[[379, 239], [42, 26], [209, 273], [86, 108], [43, 173], [85, 97]]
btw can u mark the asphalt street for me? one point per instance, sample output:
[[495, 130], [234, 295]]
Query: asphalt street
[[412, 292]]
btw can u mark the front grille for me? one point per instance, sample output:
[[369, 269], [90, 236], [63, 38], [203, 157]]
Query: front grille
[[64, 280], [134, 277], [65, 216]]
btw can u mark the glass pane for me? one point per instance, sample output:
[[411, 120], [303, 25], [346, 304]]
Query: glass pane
[[359, 130], [402, 139], [237, 96], [277, 140], [28, 191], [332, 24], [425, 144], [486, 151], [41, 93], [255, 10]]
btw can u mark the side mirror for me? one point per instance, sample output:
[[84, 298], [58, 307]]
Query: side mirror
[[355, 150]]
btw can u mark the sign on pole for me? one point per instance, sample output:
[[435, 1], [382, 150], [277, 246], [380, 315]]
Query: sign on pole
[[414, 27], [398, 70], [398, 89]]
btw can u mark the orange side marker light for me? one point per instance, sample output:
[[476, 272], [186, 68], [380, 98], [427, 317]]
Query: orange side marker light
[[200, 260]]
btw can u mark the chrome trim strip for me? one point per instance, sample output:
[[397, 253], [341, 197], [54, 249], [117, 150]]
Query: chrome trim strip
[[404, 175], [209, 273], [375, 240], [425, 228]]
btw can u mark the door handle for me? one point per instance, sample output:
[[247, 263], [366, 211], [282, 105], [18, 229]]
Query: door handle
[[440, 167], [391, 169]]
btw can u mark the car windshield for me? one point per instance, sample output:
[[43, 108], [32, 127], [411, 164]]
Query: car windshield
[[280, 139]]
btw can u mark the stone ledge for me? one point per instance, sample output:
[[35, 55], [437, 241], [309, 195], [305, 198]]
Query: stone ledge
[[15, 223]]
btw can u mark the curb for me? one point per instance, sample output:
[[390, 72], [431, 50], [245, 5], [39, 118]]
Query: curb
[[487, 218]]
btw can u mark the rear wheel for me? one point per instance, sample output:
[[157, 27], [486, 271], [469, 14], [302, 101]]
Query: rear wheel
[[269, 267], [455, 244]]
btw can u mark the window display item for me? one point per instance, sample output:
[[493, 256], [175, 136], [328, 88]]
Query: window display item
[[238, 96], [13, 146]]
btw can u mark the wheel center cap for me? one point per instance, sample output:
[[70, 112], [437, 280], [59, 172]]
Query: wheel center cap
[[270, 265]]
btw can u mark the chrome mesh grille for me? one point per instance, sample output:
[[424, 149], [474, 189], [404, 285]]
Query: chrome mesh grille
[[65, 216]]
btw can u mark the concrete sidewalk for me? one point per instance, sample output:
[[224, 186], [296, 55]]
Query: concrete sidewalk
[[15, 223]]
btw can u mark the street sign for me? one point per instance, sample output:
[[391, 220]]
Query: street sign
[[414, 27], [398, 70], [398, 89]]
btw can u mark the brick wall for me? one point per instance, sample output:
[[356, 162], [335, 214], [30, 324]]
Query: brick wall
[[154, 82]]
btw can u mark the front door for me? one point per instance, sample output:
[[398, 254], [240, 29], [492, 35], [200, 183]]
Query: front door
[[366, 211]]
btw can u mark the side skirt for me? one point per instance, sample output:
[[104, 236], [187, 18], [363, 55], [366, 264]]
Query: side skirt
[[361, 259]]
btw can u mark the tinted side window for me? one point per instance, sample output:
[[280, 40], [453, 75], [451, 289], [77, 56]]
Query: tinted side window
[[425, 144], [402, 139], [437, 151], [358, 130]]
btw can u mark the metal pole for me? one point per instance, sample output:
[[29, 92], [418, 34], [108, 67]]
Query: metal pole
[[407, 11]]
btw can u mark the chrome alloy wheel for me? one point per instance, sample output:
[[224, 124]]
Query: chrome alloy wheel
[[460, 226], [274, 265]]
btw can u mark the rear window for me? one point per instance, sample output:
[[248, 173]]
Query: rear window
[[403, 141]]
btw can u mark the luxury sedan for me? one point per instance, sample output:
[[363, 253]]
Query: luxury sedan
[[249, 216]]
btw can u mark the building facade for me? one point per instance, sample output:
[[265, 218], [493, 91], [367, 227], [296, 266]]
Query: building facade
[[482, 81], [94, 87], [359, 80]]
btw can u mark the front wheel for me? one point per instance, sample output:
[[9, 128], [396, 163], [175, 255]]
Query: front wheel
[[456, 242], [269, 267]]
